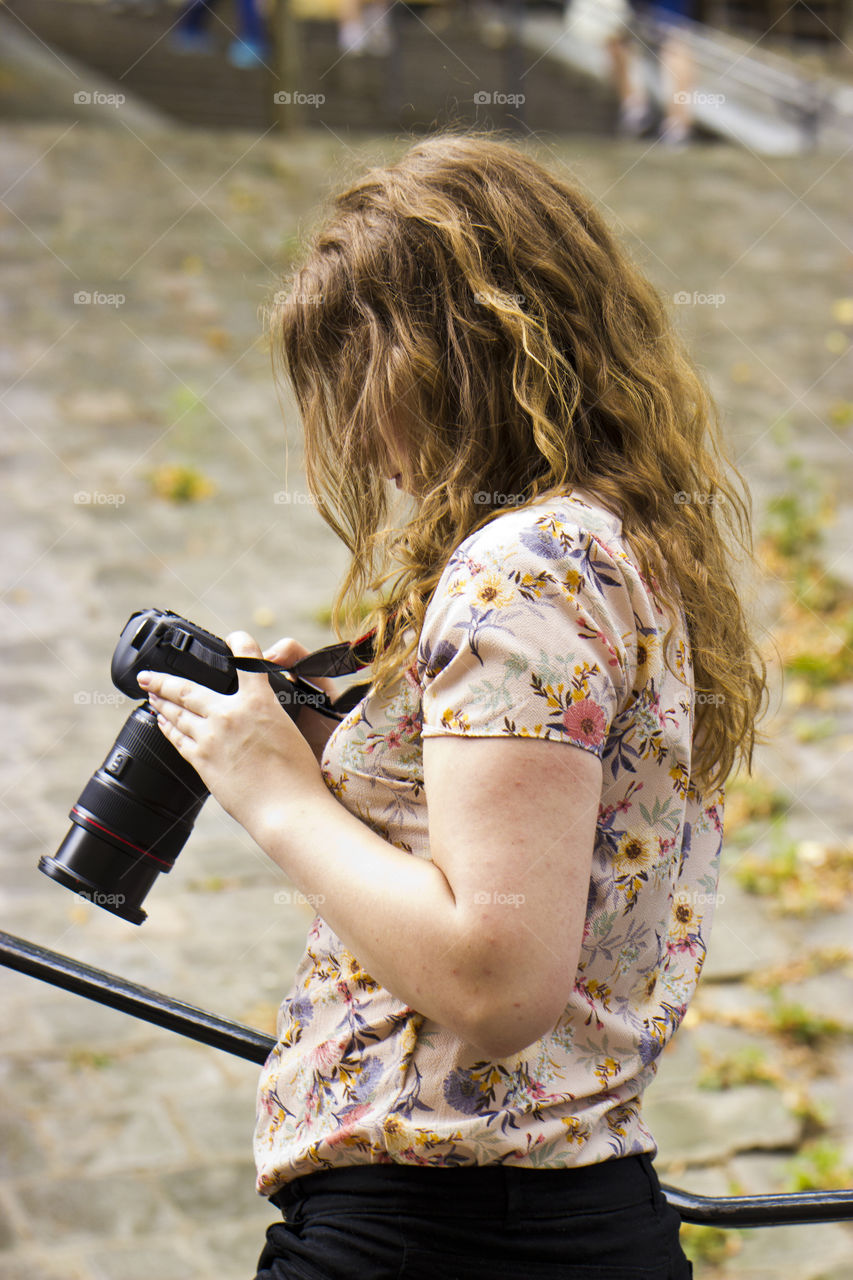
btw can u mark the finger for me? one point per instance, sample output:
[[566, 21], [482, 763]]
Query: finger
[[285, 651], [180, 741], [242, 645], [184, 723], [288, 651], [194, 697]]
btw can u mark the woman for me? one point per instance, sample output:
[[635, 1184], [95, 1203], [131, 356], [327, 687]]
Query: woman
[[513, 839]]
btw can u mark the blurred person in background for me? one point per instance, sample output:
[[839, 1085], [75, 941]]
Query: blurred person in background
[[607, 23], [666, 21], [619, 26], [249, 48], [676, 63], [364, 26]]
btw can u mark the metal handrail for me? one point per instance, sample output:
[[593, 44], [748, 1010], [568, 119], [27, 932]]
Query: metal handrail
[[247, 1042], [140, 1002]]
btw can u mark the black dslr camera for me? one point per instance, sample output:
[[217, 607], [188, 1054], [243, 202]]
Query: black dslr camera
[[137, 810]]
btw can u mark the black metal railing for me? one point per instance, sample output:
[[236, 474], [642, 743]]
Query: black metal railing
[[188, 1020], [140, 1002]]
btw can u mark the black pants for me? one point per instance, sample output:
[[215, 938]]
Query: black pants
[[607, 1221]]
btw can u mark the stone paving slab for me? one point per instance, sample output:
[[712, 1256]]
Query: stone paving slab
[[703, 1128], [804, 1252], [126, 1146]]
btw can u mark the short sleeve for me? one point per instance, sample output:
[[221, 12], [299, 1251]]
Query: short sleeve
[[528, 634]]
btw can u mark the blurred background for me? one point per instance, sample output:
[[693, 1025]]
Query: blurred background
[[161, 167]]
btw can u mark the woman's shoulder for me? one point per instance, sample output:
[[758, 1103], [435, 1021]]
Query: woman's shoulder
[[554, 528], [560, 558], [531, 586]]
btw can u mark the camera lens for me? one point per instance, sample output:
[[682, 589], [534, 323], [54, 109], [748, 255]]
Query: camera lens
[[131, 821]]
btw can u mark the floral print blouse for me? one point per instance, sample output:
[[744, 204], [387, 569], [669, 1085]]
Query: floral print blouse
[[541, 625]]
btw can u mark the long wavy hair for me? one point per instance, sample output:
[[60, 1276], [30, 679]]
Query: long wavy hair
[[482, 306]]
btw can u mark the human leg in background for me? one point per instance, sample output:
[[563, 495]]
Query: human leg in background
[[364, 27], [677, 67], [676, 64], [190, 34], [635, 111], [251, 46]]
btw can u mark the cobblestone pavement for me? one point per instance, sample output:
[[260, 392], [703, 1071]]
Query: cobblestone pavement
[[126, 1150]]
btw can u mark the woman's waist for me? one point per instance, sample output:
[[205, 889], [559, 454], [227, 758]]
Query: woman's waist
[[385, 1055], [477, 1189]]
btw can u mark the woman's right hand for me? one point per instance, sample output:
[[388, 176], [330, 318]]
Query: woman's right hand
[[287, 651], [315, 728]]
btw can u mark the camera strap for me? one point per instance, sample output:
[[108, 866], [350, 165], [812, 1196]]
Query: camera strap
[[341, 659]]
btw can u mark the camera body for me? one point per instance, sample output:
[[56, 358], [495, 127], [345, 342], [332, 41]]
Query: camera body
[[155, 640], [137, 810]]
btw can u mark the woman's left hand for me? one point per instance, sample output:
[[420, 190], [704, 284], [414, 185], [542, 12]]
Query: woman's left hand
[[244, 746]]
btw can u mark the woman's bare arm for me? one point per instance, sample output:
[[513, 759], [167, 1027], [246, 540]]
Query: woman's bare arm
[[484, 937]]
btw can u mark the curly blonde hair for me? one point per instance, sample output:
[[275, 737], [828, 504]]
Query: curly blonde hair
[[482, 305]]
